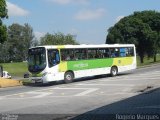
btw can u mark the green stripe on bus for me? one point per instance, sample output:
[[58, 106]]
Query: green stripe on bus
[[89, 64], [95, 63]]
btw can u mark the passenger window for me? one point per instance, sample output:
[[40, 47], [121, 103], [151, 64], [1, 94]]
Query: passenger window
[[130, 51], [106, 53], [122, 52], [92, 53], [114, 52], [67, 54], [80, 54]]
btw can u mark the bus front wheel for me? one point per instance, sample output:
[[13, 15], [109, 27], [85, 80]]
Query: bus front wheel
[[114, 71], [68, 77]]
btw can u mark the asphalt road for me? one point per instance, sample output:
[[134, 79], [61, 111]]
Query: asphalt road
[[132, 95]]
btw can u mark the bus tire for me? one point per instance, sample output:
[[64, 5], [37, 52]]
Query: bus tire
[[68, 77], [114, 71]]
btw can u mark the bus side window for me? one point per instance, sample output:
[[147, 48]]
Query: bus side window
[[114, 52], [53, 57], [100, 53], [80, 54], [122, 52], [130, 51], [91, 53], [63, 54], [67, 54], [106, 53]]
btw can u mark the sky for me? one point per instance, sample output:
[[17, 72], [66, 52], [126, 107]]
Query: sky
[[87, 20]]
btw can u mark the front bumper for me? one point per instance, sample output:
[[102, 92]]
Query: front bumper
[[36, 79]]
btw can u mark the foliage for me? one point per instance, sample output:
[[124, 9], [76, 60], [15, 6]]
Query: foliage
[[58, 39], [19, 40], [4, 53], [3, 14], [141, 29], [21, 37]]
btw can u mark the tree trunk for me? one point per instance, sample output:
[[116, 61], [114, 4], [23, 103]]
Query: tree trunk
[[155, 59], [141, 59]]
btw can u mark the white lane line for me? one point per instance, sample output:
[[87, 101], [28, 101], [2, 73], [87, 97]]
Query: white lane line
[[80, 95], [61, 88], [39, 94], [130, 79], [106, 84], [24, 93], [86, 92], [46, 89]]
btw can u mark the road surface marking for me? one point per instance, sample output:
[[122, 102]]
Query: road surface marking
[[82, 84], [101, 92], [86, 92], [130, 79], [63, 88], [39, 94]]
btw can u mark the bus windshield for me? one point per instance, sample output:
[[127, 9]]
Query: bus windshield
[[36, 59]]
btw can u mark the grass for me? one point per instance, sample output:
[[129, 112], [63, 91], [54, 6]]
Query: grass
[[15, 69], [147, 61]]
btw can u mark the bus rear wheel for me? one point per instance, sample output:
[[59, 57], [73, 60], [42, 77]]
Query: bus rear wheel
[[68, 77], [114, 71]]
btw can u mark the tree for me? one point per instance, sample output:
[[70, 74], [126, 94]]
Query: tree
[[141, 29], [35, 42], [28, 37], [19, 40], [4, 53], [3, 14], [58, 39]]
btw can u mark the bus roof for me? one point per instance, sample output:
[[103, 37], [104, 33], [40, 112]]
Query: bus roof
[[85, 46]]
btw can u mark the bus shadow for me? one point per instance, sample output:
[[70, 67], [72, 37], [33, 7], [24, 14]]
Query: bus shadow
[[100, 77], [39, 84], [143, 106], [61, 82]]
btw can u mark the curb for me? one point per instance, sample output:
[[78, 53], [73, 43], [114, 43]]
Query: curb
[[9, 83]]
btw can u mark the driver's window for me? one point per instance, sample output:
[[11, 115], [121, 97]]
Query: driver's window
[[53, 57]]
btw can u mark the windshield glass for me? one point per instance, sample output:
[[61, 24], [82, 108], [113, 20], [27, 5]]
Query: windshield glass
[[36, 59]]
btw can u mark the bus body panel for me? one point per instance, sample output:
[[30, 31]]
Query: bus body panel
[[86, 67]]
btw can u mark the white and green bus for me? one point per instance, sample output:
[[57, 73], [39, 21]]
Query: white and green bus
[[68, 62]]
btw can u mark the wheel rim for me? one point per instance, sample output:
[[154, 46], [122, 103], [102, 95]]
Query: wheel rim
[[68, 77], [114, 71]]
